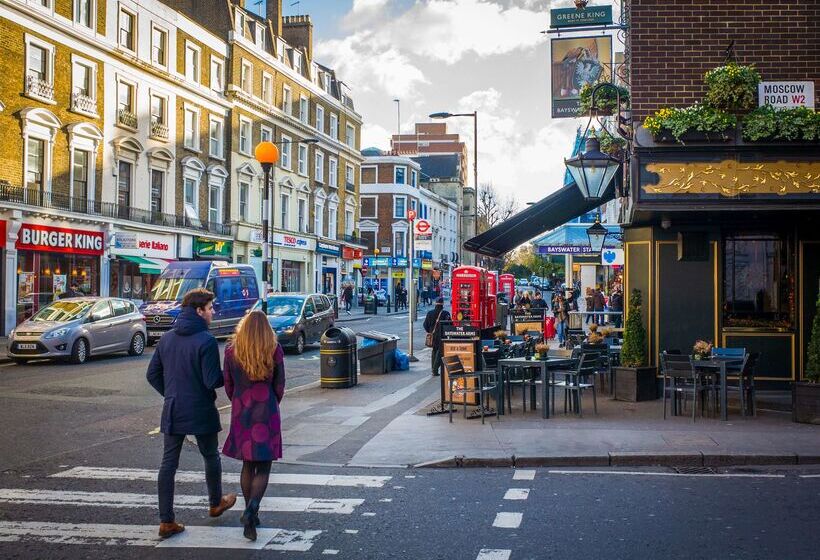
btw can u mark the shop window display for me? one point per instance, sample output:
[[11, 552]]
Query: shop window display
[[43, 277]]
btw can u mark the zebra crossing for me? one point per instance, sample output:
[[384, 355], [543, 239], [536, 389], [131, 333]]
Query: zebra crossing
[[46, 515]]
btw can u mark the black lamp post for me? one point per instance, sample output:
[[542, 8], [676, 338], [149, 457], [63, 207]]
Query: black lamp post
[[597, 236], [592, 170]]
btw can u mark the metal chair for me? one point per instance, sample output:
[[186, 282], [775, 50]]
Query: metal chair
[[744, 384], [680, 378], [602, 370], [575, 382], [472, 382]]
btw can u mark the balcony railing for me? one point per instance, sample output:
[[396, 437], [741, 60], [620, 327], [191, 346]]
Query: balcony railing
[[57, 201], [353, 239], [159, 130], [40, 88], [127, 118], [84, 103]]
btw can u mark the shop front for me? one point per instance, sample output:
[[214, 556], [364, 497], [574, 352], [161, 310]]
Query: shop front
[[137, 260], [50, 261], [292, 262], [328, 257], [350, 267], [213, 249]]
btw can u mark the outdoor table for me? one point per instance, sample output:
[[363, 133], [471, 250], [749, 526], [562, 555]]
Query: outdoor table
[[546, 366], [721, 366]]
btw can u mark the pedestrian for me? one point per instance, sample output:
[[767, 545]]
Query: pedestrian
[[538, 302], [525, 302], [431, 324], [598, 305], [347, 295], [616, 303], [517, 299], [255, 384], [561, 319], [185, 370], [589, 302]]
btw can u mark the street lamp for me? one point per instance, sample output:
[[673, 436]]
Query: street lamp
[[474, 115], [597, 236], [592, 170]]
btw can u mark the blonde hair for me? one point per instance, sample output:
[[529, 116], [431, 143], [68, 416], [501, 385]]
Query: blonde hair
[[254, 345]]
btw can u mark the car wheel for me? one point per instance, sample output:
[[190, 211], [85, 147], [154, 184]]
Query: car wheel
[[79, 352], [137, 345], [20, 361], [300, 343]]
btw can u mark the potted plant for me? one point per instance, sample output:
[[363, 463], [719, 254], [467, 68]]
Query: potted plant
[[500, 335], [697, 123], [806, 394], [634, 380], [541, 350], [797, 124], [702, 350], [732, 87], [606, 100]]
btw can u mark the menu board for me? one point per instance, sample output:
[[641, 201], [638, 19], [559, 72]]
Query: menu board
[[467, 352]]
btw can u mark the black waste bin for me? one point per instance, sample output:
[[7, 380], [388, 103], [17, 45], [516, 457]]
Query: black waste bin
[[338, 358], [371, 305], [377, 356]]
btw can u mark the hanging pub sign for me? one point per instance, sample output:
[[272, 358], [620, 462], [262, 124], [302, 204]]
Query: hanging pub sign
[[785, 95], [576, 62], [572, 17]]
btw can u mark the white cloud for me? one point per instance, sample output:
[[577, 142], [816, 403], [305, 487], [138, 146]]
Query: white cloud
[[375, 136]]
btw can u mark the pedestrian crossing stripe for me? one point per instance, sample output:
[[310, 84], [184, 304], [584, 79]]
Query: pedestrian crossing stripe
[[146, 535], [103, 473], [129, 500]]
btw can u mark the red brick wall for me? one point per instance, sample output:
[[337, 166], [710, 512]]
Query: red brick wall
[[674, 43]]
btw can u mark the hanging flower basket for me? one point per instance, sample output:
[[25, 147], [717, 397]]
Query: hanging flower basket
[[732, 87]]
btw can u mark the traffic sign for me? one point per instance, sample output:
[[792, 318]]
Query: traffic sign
[[422, 227], [411, 215]]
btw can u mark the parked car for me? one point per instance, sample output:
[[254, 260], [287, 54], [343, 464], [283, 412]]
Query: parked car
[[234, 286], [299, 319], [76, 328]]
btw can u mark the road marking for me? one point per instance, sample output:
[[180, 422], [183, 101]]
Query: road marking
[[330, 551], [128, 500], [102, 473], [369, 514], [153, 432], [508, 519], [517, 494], [352, 531], [146, 535], [493, 554], [810, 476], [524, 474], [386, 500], [637, 473]]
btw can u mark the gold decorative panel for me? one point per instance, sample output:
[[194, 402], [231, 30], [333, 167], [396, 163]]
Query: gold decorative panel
[[732, 178]]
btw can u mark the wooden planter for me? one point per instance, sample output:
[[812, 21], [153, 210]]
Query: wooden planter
[[806, 403], [635, 384], [665, 136]]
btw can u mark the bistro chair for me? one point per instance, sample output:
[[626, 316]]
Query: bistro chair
[[575, 382], [744, 384], [680, 378], [602, 369], [483, 382]]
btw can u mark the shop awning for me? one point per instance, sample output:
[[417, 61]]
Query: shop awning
[[558, 208], [147, 266]]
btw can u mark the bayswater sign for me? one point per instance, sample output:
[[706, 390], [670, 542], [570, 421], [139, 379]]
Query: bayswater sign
[[572, 17], [784, 95], [564, 249]]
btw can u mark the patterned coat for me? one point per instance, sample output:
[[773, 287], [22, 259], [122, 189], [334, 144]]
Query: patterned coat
[[256, 428]]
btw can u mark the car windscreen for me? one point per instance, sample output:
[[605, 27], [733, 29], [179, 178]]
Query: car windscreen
[[174, 284], [284, 306], [62, 311]]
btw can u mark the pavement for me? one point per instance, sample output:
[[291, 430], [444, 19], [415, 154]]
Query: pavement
[[358, 314]]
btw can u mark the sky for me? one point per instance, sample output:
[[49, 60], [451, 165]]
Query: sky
[[456, 56]]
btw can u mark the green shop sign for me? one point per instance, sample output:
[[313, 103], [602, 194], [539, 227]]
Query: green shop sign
[[212, 248], [571, 17]]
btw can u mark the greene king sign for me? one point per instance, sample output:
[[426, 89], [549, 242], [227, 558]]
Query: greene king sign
[[786, 94]]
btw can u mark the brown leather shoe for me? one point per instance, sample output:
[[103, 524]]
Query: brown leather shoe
[[170, 529], [227, 502]]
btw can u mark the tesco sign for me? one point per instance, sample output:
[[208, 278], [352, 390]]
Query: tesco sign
[[35, 237]]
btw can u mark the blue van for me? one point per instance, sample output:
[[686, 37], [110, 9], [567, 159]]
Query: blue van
[[234, 286]]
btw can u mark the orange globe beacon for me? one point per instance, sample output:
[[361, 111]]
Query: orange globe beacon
[[266, 152]]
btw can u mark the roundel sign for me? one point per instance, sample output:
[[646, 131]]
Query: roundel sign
[[422, 227]]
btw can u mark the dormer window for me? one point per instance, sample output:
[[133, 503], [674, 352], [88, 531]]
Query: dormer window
[[260, 35], [280, 51], [297, 61], [240, 23], [327, 82]]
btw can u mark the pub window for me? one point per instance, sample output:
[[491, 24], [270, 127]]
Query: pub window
[[758, 281]]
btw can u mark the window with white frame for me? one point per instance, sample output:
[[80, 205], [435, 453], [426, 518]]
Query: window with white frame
[[84, 13], [159, 46], [157, 189], [259, 28], [349, 177], [267, 88], [350, 135], [39, 69], [302, 160], [215, 202], [159, 117], [319, 168], [215, 135], [284, 150], [287, 100], [349, 222], [266, 134], [320, 118], [297, 61], [127, 37], [284, 207], [190, 187], [36, 165], [303, 109], [400, 207], [83, 86], [333, 172], [240, 22], [332, 210], [217, 74], [244, 192], [327, 82], [334, 126], [301, 215], [245, 136], [80, 174], [191, 128], [400, 174], [414, 178], [192, 54], [319, 218], [398, 243], [246, 77], [126, 99]]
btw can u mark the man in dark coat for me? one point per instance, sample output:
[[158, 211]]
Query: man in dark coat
[[598, 302], [538, 302], [185, 370], [616, 303], [434, 316]]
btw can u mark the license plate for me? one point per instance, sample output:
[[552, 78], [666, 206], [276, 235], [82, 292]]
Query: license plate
[[155, 334], [27, 346]]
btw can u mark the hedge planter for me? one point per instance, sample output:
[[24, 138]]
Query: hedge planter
[[635, 384], [665, 136], [806, 403]]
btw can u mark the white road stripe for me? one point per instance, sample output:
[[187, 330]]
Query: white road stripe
[[146, 535], [508, 519], [706, 475], [128, 500], [524, 474], [810, 476], [101, 473], [493, 554], [517, 494]]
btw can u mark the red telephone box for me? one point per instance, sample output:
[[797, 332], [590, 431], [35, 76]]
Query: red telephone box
[[491, 302], [469, 290], [507, 285]]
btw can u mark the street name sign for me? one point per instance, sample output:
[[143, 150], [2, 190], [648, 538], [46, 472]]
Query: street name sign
[[785, 95]]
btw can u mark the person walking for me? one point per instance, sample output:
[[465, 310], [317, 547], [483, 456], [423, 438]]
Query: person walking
[[599, 303], [561, 319], [616, 303], [255, 384], [185, 370], [589, 306], [347, 295], [539, 302], [431, 323]]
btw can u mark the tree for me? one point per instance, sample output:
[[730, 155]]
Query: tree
[[633, 353], [493, 208]]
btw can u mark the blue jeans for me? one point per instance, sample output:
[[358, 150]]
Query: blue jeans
[[209, 448], [561, 330]]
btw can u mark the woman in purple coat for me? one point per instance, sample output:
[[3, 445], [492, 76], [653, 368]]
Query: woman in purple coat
[[254, 373]]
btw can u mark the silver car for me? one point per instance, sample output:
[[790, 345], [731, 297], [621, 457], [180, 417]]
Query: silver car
[[76, 328]]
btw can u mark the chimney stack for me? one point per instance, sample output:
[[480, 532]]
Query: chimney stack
[[298, 32], [274, 13]]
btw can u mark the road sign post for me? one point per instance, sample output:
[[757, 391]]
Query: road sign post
[[410, 282]]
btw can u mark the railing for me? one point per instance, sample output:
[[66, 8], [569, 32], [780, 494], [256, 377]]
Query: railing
[[40, 88], [159, 130], [58, 201], [127, 118], [81, 102], [353, 239]]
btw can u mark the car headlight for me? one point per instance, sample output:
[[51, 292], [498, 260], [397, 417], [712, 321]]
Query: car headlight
[[288, 330], [56, 334]]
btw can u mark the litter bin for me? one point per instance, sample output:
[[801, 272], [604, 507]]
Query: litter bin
[[334, 301], [376, 352], [338, 358], [371, 305]]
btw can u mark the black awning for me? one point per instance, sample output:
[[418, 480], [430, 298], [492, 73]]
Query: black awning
[[557, 209]]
